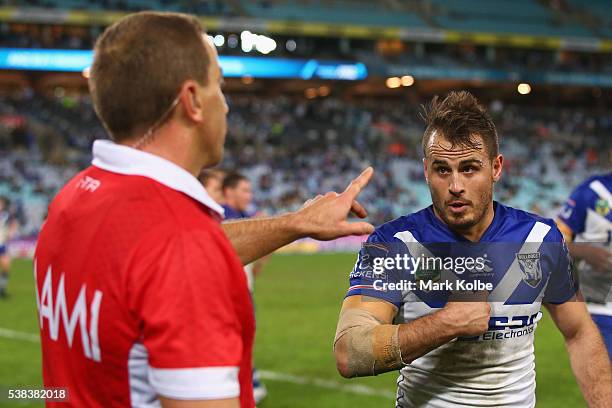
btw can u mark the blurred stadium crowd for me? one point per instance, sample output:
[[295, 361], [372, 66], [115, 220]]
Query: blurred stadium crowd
[[294, 148]]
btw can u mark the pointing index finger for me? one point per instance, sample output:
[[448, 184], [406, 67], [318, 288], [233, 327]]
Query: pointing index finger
[[359, 183]]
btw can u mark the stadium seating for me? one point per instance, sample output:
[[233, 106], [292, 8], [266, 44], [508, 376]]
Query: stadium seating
[[530, 17], [510, 17], [354, 12], [601, 10], [293, 149]]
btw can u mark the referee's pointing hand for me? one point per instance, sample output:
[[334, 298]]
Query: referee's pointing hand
[[325, 216]]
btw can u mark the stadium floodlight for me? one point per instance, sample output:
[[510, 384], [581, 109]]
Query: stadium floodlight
[[264, 44], [393, 82], [219, 40], [310, 93], [232, 41], [324, 91], [247, 41], [407, 80], [523, 88], [261, 43], [291, 45]]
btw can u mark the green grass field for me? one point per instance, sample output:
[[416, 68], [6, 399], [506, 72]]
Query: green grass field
[[297, 300]]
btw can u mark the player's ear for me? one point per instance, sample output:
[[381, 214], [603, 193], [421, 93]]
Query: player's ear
[[190, 100], [497, 163], [425, 169]]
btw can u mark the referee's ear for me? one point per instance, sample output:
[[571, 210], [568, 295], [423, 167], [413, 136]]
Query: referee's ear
[[497, 165], [191, 101]]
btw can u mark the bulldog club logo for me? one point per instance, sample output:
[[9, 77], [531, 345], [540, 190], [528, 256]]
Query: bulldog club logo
[[530, 266]]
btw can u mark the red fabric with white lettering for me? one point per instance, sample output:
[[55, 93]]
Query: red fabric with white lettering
[[151, 265]]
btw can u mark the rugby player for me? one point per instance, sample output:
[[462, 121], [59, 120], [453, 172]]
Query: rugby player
[[586, 220], [475, 353], [8, 228], [237, 195], [141, 293]]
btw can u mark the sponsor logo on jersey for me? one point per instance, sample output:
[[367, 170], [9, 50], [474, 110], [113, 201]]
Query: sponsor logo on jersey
[[530, 266], [602, 207], [88, 184], [53, 312], [507, 327]]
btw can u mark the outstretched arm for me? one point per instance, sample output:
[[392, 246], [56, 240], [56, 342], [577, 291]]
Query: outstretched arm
[[323, 218], [598, 256], [588, 355]]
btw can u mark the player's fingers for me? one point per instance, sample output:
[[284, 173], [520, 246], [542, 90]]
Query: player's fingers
[[358, 228], [359, 183], [358, 209], [311, 201]]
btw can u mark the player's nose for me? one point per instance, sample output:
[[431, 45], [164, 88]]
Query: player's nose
[[456, 186]]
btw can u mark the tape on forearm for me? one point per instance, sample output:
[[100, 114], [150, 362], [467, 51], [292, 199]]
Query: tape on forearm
[[371, 347]]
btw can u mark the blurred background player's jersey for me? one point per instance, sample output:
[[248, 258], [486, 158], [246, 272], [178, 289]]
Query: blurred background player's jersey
[[4, 227], [587, 212], [496, 368]]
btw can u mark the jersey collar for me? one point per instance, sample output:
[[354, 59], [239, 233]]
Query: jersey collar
[[122, 159]]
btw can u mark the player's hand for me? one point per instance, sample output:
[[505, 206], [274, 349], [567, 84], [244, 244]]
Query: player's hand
[[325, 216], [467, 315]]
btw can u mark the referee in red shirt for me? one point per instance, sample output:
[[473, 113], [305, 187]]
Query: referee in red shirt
[[141, 295]]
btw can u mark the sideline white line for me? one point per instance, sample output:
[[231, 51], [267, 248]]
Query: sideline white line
[[17, 335], [264, 374], [329, 384]]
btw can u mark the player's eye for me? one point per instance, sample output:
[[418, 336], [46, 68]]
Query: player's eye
[[469, 169], [443, 170]]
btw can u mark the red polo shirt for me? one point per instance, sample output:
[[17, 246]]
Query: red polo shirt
[[139, 291]]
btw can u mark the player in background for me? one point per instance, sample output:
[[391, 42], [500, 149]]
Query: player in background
[[140, 290], [212, 180], [8, 229], [468, 353], [237, 200], [237, 197], [586, 224]]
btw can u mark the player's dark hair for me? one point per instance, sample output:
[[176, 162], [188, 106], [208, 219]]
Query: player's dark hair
[[231, 180], [210, 174], [139, 65], [462, 121]]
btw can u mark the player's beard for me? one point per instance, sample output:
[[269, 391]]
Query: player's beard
[[473, 216]]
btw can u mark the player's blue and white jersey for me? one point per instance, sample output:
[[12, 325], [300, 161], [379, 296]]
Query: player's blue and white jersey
[[496, 368], [4, 227], [588, 214]]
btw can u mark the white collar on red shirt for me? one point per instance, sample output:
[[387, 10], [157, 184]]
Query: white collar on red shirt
[[122, 159]]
